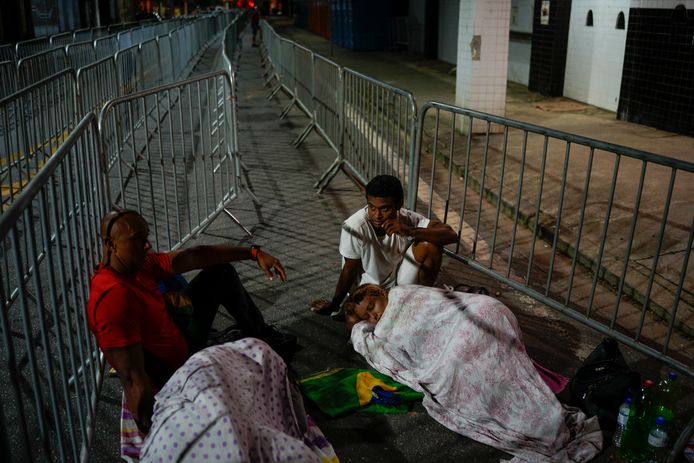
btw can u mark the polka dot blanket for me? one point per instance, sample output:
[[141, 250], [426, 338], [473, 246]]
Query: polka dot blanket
[[233, 403]]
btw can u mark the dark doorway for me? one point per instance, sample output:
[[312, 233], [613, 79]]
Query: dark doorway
[[549, 45], [431, 29], [658, 75]]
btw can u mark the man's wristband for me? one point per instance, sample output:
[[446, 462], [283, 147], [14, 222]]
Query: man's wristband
[[254, 251]]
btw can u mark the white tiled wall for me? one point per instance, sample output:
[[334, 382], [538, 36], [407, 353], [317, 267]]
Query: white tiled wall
[[448, 30], [595, 54], [481, 85]]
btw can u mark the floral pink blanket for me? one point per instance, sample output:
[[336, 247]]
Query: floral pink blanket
[[465, 353]]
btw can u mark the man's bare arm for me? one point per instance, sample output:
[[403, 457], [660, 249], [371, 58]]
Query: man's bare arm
[[199, 257], [436, 232], [129, 362], [350, 271]]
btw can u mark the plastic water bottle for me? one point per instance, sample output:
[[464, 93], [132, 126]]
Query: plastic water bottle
[[666, 397], [657, 442], [634, 441], [622, 419]]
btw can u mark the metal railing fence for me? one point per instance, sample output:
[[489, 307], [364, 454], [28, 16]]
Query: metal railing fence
[[152, 72], [106, 46], [32, 47], [270, 50], [370, 124], [52, 369], [86, 34], [80, 54], [170, 154], [129, 66], [379, 124], [326, 102], [30, 142], [34, 122], [532, 210], [61, 40], [8, 78], [7, 53], [40, 65], [96, 84]]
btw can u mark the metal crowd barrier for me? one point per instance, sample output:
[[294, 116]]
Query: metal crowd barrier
[[34, 122], [151, 74], [80, 54], [61, 40], [138, 67], [270, 51], [52, 369], [379, 124], [96, 84], [7, 53], [326, 103], [106, 46], [40, 65], [302, 90], [371, 125], [32, 47], [8, 78], [86, 34], [170, 152], [530, 213]]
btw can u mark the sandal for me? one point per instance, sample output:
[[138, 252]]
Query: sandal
[[314, 307]]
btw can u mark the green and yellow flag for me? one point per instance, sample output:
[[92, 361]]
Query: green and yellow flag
[[343, 390]]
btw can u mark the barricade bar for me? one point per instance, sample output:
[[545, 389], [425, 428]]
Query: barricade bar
[[171, 156], [52, 370], [34, 122], [530, 212]]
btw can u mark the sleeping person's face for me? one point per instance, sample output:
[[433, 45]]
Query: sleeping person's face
[[371, 308]]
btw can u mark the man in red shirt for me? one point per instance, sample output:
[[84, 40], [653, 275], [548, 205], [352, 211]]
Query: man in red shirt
[[128, 313]]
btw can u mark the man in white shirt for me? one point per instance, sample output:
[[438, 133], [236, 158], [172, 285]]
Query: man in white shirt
[[387, 245]]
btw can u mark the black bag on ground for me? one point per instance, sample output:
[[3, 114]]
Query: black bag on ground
[[602, 382]]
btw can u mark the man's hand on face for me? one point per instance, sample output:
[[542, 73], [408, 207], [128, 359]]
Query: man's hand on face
[[395, 226]]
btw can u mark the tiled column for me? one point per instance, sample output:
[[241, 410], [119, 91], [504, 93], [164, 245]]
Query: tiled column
[[483, 30]]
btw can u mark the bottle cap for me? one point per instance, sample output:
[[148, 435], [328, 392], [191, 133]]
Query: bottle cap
[[648, 383], [627, 400], [660, 421], [672, 375]]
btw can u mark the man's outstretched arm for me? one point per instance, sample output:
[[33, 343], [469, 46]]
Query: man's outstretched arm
[[129, 362], [349, 274], [199, 257]]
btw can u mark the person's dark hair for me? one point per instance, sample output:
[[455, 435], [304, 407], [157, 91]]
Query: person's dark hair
[[385, 186]]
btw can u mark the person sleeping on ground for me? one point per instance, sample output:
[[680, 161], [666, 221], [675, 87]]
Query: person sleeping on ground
[[465, 353], [233, 403]]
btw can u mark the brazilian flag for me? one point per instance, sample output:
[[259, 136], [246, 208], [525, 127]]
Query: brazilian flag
[[343, 390]]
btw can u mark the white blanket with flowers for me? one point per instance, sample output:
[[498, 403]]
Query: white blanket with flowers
[[465, 353]]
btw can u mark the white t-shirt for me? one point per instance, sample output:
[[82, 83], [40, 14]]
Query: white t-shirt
[[380, 255]]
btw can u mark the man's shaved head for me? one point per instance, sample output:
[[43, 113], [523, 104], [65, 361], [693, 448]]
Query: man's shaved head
[[109, 220]]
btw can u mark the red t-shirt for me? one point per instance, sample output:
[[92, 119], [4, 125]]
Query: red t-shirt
[[123, 311]]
